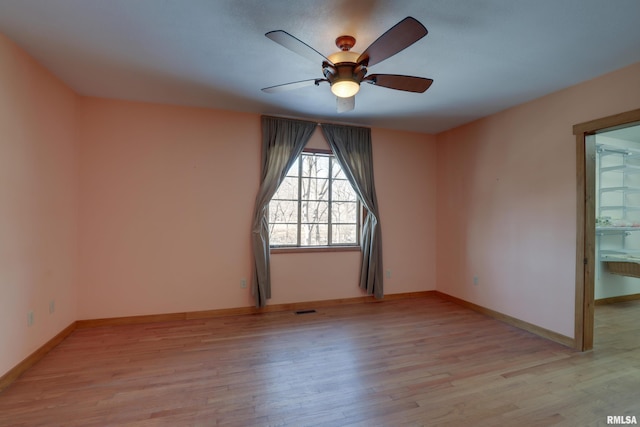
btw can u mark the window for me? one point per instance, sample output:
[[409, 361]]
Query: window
[[315, 205]]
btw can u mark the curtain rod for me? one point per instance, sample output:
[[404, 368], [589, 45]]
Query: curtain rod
[[317, 122]]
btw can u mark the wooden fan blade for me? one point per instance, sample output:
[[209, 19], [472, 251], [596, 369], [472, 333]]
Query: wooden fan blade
[[296, 45], [293, 85], [394, 81], [345, 104], [399, 37]]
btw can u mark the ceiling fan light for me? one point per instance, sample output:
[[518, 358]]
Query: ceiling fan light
[[345, 88]]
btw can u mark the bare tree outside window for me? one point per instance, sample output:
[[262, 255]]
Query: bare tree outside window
[[315, 205]]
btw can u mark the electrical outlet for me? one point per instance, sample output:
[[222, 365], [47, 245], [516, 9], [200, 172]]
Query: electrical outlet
[[30, 318], [476, 280], [243, 283], [52, 306], [388, 274]]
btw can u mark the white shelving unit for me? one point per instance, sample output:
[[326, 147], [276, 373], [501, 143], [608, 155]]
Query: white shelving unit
[[618, 214]]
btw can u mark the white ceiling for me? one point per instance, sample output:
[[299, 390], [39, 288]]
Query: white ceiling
[[484, 55]]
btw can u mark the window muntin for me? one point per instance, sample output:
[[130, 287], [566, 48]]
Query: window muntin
[[315, 205]]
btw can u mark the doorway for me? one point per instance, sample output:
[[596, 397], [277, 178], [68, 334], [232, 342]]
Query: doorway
[[586, 220]]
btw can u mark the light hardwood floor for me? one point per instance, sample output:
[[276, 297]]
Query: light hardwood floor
[[415, 362]]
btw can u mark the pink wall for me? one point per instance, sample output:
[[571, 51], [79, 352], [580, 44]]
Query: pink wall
[[405, 168], [167, 196], [38, 205], [507, 201]]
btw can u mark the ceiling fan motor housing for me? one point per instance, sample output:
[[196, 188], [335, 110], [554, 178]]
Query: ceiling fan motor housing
[[344, 71]]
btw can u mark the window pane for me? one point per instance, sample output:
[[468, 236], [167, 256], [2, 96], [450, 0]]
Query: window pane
[[295, 168], [337, 170], [314, 235], [315, 212], [283, 211], [343, 191], [344, 212], [315, 189], [300, 207], [344, 234], [283, 234], [288, 189], [315, 165]]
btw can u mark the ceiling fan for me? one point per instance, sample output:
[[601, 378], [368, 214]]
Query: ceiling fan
[[345, 69]]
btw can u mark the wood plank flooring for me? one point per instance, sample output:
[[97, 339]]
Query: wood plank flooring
[[411, 362]]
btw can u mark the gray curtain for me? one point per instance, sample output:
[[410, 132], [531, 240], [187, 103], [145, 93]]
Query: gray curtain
[[282, 143], [352, 148]]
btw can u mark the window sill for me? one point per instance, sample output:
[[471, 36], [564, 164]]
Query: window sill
[[309, 249]]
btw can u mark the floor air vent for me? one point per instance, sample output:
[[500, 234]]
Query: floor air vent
[[305, 311]]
